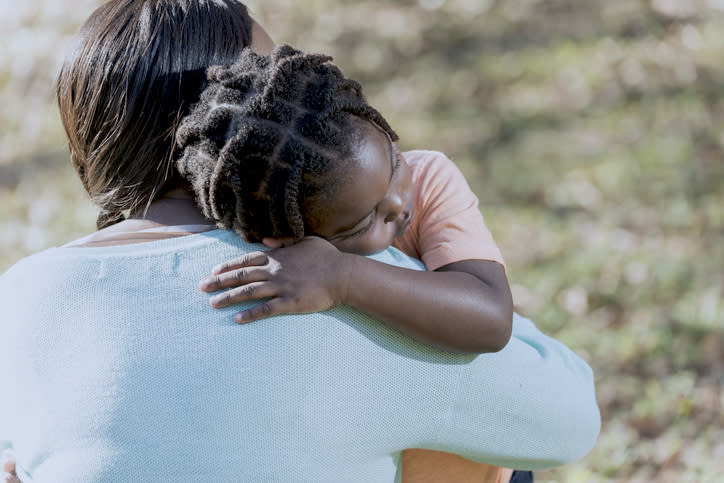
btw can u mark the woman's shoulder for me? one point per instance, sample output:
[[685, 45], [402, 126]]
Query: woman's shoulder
[[77, 261], [28, 263]]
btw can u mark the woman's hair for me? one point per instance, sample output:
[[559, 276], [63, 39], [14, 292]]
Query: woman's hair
[[136, 66], [259, 146]]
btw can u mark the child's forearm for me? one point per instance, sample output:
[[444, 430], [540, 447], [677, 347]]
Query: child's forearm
[[462, 307]]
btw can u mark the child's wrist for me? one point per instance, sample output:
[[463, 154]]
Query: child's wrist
[[346, 270]]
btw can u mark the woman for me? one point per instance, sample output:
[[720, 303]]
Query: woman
[[124, 372]]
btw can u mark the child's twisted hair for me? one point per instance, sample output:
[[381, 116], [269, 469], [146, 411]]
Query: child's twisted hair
[[262, 138]]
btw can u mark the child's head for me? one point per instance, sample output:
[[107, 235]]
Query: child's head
[[286, 146]]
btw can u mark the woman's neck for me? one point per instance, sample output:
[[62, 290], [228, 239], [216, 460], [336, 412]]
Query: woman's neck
[[176, 207], [172, 215]]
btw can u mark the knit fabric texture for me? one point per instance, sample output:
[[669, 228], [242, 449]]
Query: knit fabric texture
[[116, 369]]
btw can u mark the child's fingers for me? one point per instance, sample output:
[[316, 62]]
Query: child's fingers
[[252, 291], [247, 260], [9, 478], [234, 278], [263, 310], [8, 473], [8, 461]]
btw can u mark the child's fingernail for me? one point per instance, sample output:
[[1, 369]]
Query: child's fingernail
[[238, 318], [204, 284]]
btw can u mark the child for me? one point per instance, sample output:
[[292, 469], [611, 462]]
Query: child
[[288, 135]]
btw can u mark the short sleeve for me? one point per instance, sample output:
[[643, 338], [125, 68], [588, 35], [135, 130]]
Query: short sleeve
[[448, 226]]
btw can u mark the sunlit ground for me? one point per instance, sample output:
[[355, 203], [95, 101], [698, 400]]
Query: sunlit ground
[[592, 133]]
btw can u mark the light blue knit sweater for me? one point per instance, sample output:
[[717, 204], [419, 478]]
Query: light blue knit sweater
[[115, 368]]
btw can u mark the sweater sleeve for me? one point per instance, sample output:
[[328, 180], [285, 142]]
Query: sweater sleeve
[[7, 369], [543, 411]]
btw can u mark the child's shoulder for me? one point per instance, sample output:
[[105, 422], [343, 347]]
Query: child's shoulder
[[425, 163], [424, 156]]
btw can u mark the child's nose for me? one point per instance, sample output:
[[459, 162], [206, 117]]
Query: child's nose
[[395, 207]]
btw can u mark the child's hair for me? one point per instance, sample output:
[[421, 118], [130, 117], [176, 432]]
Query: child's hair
[[136, 67], [259, 146]]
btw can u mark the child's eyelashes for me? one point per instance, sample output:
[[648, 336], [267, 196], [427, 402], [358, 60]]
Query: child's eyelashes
[[344, 236], [365, 228]]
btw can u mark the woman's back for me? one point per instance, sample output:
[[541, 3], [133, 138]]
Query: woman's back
[[125, 373]]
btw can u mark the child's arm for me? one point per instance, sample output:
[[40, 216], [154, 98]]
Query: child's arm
[[465, 306]]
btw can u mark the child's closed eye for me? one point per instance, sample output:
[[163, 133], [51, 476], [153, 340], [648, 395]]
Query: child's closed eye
[[365, 228]]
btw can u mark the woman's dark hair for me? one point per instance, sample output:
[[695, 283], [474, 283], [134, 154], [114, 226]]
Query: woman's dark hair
[[260, 144], [136, 66]]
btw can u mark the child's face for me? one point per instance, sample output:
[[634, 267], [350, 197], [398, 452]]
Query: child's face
[[373, 200]]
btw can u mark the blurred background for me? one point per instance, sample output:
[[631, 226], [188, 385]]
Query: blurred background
[[591, 132]]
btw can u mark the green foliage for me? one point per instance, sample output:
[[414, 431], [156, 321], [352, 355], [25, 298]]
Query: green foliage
[[591, 132]]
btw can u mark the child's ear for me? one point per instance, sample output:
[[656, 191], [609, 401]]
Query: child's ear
[[279, 242]]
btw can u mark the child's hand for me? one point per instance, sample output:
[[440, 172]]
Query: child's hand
[[8, 468], [308, 276]]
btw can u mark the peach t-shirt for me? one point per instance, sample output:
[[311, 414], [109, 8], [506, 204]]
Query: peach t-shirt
[[446, 225]]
